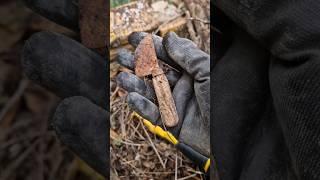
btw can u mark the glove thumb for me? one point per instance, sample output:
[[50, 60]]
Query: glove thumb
[[186, 53]]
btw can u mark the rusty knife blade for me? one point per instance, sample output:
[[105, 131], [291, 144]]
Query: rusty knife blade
[[145, 57], [146, 63]]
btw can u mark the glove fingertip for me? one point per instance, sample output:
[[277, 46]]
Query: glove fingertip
[[31, 54], [168, 38], [130, 82], [135, 38], [169, 35], [65, 13], [28, 67], [122, 78], [125, 58], [143, 107], [172, 42]]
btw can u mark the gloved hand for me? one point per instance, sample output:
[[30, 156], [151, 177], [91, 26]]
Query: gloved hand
[[265, 113], [79, 76], [190, 84]]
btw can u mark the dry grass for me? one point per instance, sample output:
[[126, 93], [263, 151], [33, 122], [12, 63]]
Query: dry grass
[[136, 153]]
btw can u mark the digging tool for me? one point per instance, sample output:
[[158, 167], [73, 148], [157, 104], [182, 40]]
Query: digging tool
[[200, 160]]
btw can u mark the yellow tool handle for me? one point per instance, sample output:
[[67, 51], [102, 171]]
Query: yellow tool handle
[[202, 161]]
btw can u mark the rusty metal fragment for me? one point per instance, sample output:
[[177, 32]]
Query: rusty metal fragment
[[146, 63], [93, 23], [145, 57]]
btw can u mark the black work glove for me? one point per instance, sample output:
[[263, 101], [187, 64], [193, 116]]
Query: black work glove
[[266, 107], [190, 84], [76, 74]]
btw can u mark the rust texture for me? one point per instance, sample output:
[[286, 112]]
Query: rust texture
[[145, 57], [146, 63], [93, 23]]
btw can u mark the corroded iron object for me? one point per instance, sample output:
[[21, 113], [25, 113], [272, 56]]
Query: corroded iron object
[[146, 63]]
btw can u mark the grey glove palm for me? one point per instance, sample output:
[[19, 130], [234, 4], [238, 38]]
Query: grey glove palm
[[191, 88]]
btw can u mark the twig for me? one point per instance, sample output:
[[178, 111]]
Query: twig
[[6, 174], [57, 163], [13, 100], [71, 170], [153, 146], [114, 94], [158, 172], [41, 150], [114, 113], [187, 177], [124, 160], [132, 144], [166, 22], [122, 125], [16, 126], [216, 29], [191, 30], [176, 168], [135, 129], [198, 19], [19, 139], [128, 162]]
